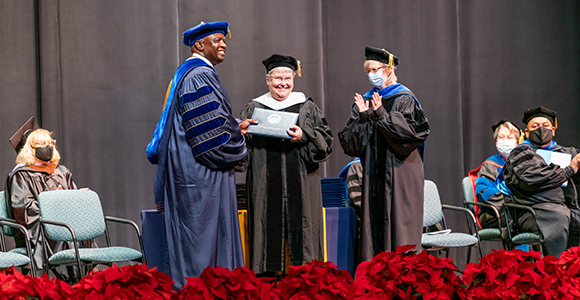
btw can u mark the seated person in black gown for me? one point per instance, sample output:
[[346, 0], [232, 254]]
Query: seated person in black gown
[[37, 170], [550, 189]]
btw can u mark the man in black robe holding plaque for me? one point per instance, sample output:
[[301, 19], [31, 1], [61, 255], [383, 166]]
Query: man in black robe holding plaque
[[549, 187], [386, 129], [285, 224]]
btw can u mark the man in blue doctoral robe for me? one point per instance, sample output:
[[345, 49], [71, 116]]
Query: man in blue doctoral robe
[[196, 144]]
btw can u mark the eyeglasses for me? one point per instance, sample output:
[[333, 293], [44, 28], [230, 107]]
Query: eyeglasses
[[278, 79], [374, 70]]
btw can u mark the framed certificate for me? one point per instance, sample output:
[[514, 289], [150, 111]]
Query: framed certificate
[[272, 123]]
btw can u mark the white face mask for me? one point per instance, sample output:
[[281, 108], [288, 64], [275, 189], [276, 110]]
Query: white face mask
[[377, 79], [505, 146]]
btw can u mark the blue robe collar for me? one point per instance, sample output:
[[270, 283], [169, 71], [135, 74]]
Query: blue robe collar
[[190, 64], [388, 91], [497, 159], [551, 147]]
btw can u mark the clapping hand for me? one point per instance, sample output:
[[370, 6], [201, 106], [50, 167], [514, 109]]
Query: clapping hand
[[360, 103], [575, 163], [377, 101]]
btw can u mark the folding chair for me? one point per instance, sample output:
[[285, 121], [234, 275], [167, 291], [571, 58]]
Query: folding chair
[[433, 214], [77, 215], [18, 256], [485, 234]]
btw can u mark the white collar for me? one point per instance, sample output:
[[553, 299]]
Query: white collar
[[293, 99], [195, 55]]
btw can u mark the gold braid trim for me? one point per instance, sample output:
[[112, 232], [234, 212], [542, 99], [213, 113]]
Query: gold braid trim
[[299, 69]]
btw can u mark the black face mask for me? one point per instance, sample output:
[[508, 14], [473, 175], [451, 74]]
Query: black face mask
[[44, 153], [541, 136]]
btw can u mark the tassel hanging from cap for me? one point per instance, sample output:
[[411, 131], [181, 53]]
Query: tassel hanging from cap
[[391, 60], [229, 34], [299, 69]]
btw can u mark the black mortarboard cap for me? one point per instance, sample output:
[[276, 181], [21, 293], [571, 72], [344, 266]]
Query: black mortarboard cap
[[204, 29], [540, 112], [382, 55], [278, 60], [498, 124], [18, 139]]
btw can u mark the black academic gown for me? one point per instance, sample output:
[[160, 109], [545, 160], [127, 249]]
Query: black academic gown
[[387, 142], [22, 188], [534, 183], [283, 191]]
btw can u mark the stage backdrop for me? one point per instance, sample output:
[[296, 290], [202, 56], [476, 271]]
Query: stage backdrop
[[95, 73]]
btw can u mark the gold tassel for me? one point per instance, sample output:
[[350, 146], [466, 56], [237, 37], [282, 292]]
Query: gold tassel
[[522, 137], [299, 70], [229, 33], [555, 123], [391, 60]]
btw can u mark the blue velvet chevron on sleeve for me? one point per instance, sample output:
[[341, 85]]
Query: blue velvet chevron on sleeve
[[203, 120]]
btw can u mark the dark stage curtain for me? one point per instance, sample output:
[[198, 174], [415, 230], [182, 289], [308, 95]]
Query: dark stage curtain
[[103, 68]]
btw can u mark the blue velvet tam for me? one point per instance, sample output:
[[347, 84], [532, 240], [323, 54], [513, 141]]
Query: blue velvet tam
[[202, 30]]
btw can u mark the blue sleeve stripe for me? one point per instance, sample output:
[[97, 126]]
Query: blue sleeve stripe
[[211, 143], [199, 111], [205, 127], [193, 96]]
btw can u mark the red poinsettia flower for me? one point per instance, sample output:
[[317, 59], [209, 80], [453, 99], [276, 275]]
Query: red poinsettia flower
[[129, 282], [518, 275], [317, 280], [403, 274], [570, 262], [221, 283], [15, 285]]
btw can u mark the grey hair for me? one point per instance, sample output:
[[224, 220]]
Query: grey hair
[[510, 127], [287, 69]]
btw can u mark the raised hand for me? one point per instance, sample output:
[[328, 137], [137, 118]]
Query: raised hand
[[360, 103], [575, 163], [377, 101]]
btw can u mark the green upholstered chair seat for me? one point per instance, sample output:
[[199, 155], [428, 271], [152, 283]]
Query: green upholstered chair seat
[[98, 255], [8, 259], [21, 250], [490, 234], [526, 238], [448, 240]]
